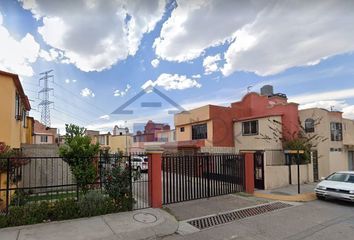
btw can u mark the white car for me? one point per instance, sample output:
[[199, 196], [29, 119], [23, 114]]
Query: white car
[[139, 163], [338, 185]]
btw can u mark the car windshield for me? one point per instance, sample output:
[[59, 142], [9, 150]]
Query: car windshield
[[341, 177]]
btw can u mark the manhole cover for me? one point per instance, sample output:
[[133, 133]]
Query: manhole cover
[[145, 217]]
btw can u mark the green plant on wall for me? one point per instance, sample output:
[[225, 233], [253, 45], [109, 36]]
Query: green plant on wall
[[79, 153]]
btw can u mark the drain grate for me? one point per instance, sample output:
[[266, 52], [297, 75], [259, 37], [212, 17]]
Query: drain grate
[[208, 222]]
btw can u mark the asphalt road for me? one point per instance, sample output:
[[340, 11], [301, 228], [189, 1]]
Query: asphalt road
[[332, 220]]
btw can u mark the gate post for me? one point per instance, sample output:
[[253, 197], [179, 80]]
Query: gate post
[[155, 177], [249, 172]]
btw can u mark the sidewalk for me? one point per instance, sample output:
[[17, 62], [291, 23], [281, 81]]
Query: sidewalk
[[289, 193], [141, 224]]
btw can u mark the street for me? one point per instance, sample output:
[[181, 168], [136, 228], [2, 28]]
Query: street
[[312, 220]]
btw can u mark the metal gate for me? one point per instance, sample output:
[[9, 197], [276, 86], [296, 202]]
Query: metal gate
[[189, 177], [259, 170]]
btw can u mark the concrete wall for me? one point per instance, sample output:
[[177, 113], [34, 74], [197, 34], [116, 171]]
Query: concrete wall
[[230, 150], [45, 171], [256, 142], [121, 142], [348, 132], [278, 176], [187, 134]]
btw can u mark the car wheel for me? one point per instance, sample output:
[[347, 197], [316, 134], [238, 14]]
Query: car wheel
[[320, 197]]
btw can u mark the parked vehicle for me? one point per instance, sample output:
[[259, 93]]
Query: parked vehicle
[[339, 185], [139, 163]]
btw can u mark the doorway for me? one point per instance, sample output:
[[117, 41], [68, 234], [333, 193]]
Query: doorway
[[259, 170]]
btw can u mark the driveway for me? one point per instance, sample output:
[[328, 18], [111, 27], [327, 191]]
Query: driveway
[[208, 206], [312, 220]]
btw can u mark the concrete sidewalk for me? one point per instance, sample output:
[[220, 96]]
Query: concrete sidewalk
[[289, 193], [141, 224]]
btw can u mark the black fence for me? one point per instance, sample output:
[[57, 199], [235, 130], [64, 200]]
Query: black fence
[[198, 176], [35, 179]]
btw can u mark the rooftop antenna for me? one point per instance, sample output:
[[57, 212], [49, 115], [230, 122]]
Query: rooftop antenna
[[332, 108], [43, 95]]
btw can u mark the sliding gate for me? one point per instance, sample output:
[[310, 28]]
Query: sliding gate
[[188, 177]]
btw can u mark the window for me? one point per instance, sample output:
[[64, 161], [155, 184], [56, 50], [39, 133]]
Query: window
[[199, 131], [309, 125], [44, 138], [182, 129], [17, 107], [24, 118], [102, 140], [336, 131], [250, 128]]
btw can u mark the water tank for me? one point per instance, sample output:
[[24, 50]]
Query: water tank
[[267, 90]]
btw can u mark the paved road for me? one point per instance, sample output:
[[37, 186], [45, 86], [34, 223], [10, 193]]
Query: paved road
[[313, 220]]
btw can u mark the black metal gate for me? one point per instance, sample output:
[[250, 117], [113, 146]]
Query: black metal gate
[[189, 177], [315, 165], [259, 170]]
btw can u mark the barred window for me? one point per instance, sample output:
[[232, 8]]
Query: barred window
[[199, 131], [250, 128], [309, 125], [336, 131]]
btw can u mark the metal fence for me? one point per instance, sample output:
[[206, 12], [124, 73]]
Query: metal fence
[[50, 179], [188, 177]]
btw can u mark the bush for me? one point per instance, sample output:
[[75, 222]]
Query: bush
[[95, 203], [19, 198], [117, 186], [79, 153], [29, 214], [65, 209]]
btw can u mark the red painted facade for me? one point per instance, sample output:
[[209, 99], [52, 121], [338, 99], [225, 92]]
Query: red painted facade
[[150, 129], [252, 106]]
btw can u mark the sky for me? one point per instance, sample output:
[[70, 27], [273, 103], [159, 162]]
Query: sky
[[105, 53]]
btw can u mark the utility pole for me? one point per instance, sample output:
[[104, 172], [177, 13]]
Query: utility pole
[[43, 95]]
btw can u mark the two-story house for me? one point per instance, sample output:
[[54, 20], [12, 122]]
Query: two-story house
[[336, 151]]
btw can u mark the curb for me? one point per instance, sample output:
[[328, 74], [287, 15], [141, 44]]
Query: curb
[[304, 197]]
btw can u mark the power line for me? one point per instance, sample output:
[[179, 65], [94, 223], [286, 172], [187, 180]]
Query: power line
[[69, 91]]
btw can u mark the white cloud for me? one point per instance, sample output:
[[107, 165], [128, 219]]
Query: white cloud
[[197, 25], [104, 117], [122, 93], [343, 106], [196, 76], [17, 55], [86, 92], [289, 34], [52, 55], [210, 64], [155, 63], [111, 33], [172, 81], [266, 37], [323, 96], [67, 80]]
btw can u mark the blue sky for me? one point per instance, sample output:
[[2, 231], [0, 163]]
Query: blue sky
[[204, 52]]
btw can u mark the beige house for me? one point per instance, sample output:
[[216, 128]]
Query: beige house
[[336, 152]]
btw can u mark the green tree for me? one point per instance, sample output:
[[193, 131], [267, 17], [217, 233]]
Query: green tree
[[79, 153]]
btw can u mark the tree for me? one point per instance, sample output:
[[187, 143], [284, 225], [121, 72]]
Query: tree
[[300, 140], [79, 153]]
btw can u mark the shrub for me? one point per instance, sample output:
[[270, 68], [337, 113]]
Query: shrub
[[95, 203], [79, 153], [19, 198], [65, 209], [117, 186], [29, 214], [3, 221]]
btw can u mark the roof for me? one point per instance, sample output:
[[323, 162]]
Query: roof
[[19, 88]]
